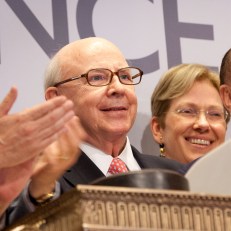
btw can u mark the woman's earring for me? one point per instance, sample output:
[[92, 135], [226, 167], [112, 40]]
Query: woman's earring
[[162, 149]]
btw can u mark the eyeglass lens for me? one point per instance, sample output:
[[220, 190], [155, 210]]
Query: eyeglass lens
[[215, 115], [128, 76]]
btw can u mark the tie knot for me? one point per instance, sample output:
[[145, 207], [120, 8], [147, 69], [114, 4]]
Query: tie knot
[[117, 166]]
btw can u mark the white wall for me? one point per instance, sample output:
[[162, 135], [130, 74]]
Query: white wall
[[153, 34]]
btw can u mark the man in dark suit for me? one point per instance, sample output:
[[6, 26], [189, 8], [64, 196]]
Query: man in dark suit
[[94, 74], [225, 80]]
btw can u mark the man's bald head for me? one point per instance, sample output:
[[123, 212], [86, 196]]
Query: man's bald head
[[77, 55]]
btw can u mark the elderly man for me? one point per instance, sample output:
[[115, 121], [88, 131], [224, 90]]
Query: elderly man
[[94, 74]]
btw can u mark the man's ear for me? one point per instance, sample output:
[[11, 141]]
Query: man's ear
[[225, 93], [156, 129], [51, 92]]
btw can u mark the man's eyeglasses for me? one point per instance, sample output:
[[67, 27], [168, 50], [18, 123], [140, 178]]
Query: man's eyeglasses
[[212, 115], [101, 76]]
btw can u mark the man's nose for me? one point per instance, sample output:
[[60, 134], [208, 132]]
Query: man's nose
[[115, 86], [116, 81]]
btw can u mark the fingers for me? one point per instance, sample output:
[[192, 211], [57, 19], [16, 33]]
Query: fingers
[[66, 147], [8, 101], [57, 117], [70, 136], [43, 109], [26, 134], [77, 129], [50, 125], [69, 142], [46, 119], [56, 158], [52, 131]]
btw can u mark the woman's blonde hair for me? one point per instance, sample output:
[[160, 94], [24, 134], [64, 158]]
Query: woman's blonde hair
[[176, 82]]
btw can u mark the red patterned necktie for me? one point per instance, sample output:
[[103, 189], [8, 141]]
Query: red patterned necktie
[[117, 166]]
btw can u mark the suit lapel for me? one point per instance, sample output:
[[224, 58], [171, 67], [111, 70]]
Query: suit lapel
[[139, 158], [83, 172]]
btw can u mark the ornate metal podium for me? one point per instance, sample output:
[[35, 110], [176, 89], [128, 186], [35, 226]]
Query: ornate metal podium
[[94, 208]]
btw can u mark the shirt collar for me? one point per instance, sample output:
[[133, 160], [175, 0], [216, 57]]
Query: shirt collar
[[103, 160]]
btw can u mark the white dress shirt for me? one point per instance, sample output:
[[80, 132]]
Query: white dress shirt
[[103, 160]]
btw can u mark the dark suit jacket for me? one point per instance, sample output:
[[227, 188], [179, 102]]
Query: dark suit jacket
[[85, 171]]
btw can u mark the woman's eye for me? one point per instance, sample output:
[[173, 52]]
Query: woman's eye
[[215, 113], [187, 111]]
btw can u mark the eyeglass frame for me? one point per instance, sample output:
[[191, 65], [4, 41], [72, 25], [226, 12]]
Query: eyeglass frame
[[197, 112], [85, 75]]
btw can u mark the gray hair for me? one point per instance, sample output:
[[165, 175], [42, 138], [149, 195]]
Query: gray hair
[[53, 73]]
